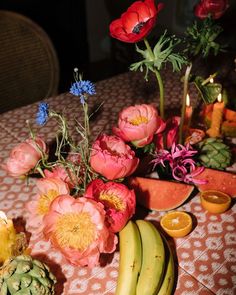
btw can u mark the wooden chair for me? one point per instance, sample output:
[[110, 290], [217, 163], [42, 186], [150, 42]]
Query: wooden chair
[[29, 68]]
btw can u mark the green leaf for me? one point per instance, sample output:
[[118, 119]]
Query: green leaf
[[209, 92]]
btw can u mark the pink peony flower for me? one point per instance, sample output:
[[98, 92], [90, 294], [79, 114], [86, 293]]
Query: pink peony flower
[[77, 228], [48, 189], [171, 133], [118, 200], [138, 124], [25, 157], [112, 158], [65, 174]]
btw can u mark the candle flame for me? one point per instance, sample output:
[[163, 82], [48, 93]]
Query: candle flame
[[3, 216], [211, 80], [219, 97], [187, 100]]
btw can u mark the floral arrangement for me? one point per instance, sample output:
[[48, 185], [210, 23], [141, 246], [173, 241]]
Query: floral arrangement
[[83, 199]]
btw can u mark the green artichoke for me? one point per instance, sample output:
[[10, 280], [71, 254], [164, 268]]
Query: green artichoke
[[214, 153], [23, 275]]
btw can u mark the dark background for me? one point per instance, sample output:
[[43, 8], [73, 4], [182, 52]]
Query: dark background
[[79, 30]]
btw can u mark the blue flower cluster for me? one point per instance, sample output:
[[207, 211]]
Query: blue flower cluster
[[42, 114], [80, 88]]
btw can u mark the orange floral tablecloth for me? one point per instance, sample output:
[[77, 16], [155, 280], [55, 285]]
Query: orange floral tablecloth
[[205, 259]]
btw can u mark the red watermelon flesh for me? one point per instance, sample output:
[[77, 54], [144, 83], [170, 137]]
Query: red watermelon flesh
[[160, 195], [218, 180]]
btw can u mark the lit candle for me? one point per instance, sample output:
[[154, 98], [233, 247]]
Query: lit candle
[[216, 118], [7, 237], [188, 112]]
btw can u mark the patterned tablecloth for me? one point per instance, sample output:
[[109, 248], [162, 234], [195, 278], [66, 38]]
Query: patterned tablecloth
[[206, 258]]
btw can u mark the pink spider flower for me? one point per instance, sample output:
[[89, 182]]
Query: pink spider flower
[[180, 160]]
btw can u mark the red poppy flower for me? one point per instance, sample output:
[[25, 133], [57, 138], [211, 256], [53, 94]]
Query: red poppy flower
[[216, 8], [136, 22]]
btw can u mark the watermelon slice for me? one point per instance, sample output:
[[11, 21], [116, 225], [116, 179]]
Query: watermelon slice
[[218, 180], [159, 195]]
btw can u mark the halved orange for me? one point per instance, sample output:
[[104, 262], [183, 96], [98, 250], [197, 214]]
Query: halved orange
[[177, 224], [215, 201]]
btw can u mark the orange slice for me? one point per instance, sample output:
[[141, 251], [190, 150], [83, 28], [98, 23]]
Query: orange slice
[[215, 201], [177, 224]]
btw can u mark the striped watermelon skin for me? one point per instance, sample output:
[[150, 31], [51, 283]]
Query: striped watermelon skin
[[218, 180], [159, 195]]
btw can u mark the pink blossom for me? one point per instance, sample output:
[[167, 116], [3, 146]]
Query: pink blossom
[[138, 124], [77, 228], [118, 200], [25, 156], [112, 158], [48, 189]]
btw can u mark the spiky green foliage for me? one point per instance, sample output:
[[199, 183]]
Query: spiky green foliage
[[163, 52], [24, 275], [201, 38], [214, 153]]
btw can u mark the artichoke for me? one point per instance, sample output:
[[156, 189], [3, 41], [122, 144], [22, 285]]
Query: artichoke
[[23, 275], [214, 153]]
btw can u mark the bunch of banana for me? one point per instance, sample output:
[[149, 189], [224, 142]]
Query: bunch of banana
[[146, 264]]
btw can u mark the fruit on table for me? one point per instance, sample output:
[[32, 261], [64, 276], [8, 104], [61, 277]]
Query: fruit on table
[[160, 195], [194, 136], [153, 259], [169, 273], [130, 259], [25, 275], [218, 180], [214, 153], [215, 201], [177, 224]]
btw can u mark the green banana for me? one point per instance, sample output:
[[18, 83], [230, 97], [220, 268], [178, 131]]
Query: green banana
[[153, 259], [168, 280], [130, 259]]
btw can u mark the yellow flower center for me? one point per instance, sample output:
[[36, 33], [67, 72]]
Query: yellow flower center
[[112, 201], [75, 230], [45, 201], [138, 120]]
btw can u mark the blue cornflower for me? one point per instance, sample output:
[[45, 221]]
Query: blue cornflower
[[42, 114], [80, 88]]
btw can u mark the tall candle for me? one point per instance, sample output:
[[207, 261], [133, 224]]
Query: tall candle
[[7, 237], [188, 112], [216, 118]]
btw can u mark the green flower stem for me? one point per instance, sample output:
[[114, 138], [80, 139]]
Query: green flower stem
[[186, 79], [159, 80]]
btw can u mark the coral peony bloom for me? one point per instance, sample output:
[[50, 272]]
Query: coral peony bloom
[[77, 228], [25, 157], [48, 189], [171, 132], [215, 8], [137, 22], [118, 200], [112, 158], [138, 124]]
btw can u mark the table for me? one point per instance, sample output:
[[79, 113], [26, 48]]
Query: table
[[206, 258]]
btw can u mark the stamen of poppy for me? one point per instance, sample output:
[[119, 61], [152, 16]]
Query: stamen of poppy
[[112, 201], [138, 120], [75, 230], [138, 27], [45, 201]]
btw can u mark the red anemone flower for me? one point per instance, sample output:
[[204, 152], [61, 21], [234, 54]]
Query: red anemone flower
[[216, 8], [136, 23]]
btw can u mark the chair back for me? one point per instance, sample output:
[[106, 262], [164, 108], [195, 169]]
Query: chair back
[[29, 68]]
